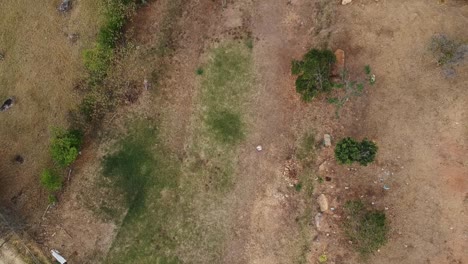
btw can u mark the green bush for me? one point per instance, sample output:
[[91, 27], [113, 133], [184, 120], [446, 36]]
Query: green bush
[[313, 73], [51, 181], [65, 146], [349, 150], [365, 228]]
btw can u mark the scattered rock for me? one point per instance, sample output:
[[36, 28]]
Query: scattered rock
[[318, 220], [7, 104], [146, 84], [65, 6], [345, 2], [327, 140], [259, 148], [73, 37], [322, 167], [323, 202]]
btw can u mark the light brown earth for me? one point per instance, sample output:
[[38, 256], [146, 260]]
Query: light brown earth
[[417, 117]]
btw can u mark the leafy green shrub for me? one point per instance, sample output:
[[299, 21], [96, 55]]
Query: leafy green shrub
[[51, 181], [65, 146], [313, 73], [349, 150], [366, 229]]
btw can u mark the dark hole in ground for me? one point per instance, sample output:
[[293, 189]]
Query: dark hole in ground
[[18, 159], [7, 104], [328, 178]]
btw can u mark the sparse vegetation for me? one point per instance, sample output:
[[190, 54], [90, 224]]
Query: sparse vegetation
[[313, 73], [65, 146], [352, 88], [367, 229], [349, 150], [447, 51]]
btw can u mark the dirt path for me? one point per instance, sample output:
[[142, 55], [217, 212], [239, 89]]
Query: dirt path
[[264, 231]]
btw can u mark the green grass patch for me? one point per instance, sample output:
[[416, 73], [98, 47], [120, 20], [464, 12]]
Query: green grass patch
[[220, 123], [367, 229], [226, 126]]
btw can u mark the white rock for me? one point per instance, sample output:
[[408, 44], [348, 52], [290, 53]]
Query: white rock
[[318, 220], [323, 202], [327, 140], [345, 2], [259, 148]]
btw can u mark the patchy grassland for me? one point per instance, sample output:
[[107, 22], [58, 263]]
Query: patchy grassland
[[177, 209]]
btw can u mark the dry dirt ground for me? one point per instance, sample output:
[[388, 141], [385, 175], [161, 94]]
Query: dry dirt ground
[[417, 117]]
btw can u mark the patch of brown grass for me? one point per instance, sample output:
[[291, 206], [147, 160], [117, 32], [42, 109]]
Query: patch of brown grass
[[40, 69]]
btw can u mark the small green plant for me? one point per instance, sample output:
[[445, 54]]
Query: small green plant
[[349, 150], [323, 258], [367, 229], [320, 180], [199, 71], [298, 186], [65, 146], [51, 181], [313, 73], [370, 76]]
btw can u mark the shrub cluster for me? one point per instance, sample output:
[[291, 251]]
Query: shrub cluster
[[313, 73], [98, 58], [65, 146], [349, 150]]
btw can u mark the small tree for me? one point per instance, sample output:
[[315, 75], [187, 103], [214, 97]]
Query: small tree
[[51, 181], [65, 146], [349, 150], [313, 73]]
